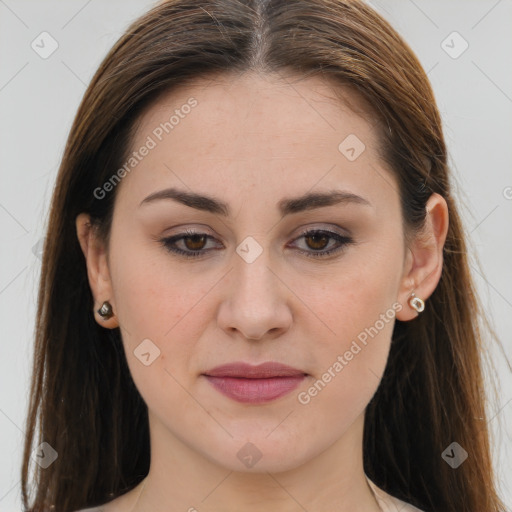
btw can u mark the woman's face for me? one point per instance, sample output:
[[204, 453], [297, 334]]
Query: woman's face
[[259, 289]]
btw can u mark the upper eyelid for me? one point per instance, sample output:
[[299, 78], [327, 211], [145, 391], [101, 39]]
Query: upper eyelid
[[304, 231]]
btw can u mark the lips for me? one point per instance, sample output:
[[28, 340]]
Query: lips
[[247, 383]]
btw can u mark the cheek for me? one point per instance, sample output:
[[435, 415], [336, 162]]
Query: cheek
[[152, 294], [353, 297], [349, 371], [159, 311], [357, 309]]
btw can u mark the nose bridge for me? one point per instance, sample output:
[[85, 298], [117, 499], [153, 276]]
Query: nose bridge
[[256, 304], [254, 279]]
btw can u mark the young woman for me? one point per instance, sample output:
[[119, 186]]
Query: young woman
[[255, 293]]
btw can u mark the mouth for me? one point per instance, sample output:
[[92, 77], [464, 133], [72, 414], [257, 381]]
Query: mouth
[[247, 383]]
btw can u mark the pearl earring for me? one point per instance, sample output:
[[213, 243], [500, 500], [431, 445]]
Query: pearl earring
[[106, 310]]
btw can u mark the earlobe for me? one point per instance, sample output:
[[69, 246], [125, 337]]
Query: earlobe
[[424, 263], [98, 272]]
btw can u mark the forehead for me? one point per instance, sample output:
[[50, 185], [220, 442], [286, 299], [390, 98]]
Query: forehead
[[235, 108], [244, 130]]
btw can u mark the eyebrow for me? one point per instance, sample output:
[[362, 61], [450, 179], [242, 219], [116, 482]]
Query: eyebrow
[[286, 206]]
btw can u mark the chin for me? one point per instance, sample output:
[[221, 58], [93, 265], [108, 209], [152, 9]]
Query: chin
[[257, 453]]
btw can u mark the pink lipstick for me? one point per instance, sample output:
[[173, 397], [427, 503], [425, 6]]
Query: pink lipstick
[[254, 384]]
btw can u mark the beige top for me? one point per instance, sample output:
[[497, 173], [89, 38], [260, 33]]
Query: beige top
[[388, 503]]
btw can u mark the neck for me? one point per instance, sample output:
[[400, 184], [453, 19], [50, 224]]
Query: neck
[[182, 479]]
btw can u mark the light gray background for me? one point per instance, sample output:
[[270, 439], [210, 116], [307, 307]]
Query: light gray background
[[39, 98]]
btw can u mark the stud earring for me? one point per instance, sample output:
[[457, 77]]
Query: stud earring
[[106, 310], [416, 303]]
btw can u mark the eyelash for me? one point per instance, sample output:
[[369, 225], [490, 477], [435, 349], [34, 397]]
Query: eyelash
[[169, 243]]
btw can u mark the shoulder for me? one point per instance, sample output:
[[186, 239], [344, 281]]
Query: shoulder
[[396, 505], [93, 509], [107, 507], [119, 504], [123, 503], [389, 503]]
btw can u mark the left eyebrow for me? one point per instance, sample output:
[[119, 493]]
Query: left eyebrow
[[286, 206]]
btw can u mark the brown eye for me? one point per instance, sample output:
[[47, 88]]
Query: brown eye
[[188, 244], [195, 242], [318, 240]]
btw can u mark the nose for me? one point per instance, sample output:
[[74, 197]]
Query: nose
[[257, 301]]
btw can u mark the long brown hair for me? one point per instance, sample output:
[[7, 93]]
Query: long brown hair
[[83, 401]]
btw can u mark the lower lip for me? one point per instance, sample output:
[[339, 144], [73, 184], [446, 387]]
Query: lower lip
[[255, 390]]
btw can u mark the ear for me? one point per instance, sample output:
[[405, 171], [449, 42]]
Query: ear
[[424, 260], [97, 269]]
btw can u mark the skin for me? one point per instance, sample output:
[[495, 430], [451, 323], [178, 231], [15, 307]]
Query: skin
[[251, 141]]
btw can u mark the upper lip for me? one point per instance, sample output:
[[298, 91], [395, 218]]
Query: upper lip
[[261, 371]]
